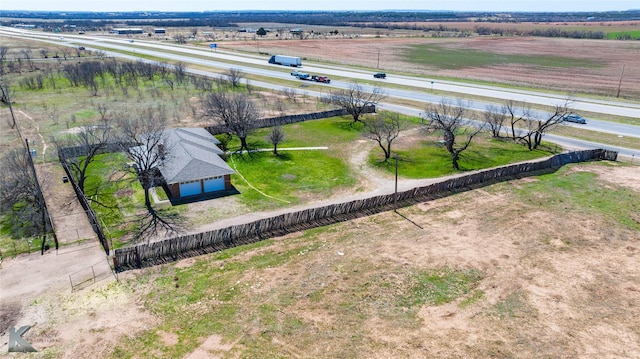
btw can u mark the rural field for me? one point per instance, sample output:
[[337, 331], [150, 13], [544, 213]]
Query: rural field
[[569, 66], [545, 266], [537, 267]]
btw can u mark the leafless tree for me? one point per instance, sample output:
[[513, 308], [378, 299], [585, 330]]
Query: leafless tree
[[290, 93], [234, 110], [234, 76], [4, 50], [180, 72], [517, 112], [102, 109], [90, 142], [355, 99], [452, 121], [21, 194], [495, 118], [54, 112], [180, 39], [101, 54], [5, 93], [43, 53], [550, 121], [65, 52], [145, 144], [383, 129], [276, 136], [532, 126], [28, 58]]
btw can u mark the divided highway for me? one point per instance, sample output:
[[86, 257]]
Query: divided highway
[[257, 65]]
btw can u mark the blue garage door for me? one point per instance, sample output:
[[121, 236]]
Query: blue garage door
[[190, 189], [214, 184]]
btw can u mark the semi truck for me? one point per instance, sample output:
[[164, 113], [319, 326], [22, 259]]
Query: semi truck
[[286, 60]]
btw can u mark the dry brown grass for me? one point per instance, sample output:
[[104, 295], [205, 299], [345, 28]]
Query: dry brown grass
[[611, 55], [554, 285]]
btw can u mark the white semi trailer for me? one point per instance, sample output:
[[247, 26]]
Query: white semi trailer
[[286, 60]]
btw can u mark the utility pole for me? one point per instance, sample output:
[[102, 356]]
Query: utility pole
[[41, 202], [620, 82], [395, 194]]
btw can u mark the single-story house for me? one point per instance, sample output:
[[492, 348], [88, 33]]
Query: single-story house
[[193, 165], [189, 163]]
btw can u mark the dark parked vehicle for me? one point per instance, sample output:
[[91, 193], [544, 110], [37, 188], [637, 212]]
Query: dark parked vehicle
[[575, 119], [380, 75]]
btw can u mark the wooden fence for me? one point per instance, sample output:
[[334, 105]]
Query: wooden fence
[[285, 120], [144, 255]]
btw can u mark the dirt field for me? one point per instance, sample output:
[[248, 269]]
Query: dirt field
[[601, 79], [554, 285]]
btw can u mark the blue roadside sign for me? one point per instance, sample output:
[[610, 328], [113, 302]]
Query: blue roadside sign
[[213, 46]]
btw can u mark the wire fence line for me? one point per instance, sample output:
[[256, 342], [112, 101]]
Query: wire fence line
[[168, 250]]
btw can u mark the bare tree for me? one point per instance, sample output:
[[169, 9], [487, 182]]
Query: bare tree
[[290, 93], [28, 57], [383, 129], [551, 121], [531, 128], [102, 109], [517, 112], [65, 52], [234, 76], [495, 117], [90, 142], [21, 194], [144, 140], [4, 50], [236, 111], [179, 72], [43, 53], [451, 120], [276, 136], [355, 99], [180, 39]]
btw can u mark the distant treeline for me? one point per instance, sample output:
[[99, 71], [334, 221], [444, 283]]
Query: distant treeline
[[549, 32], [331, 18]]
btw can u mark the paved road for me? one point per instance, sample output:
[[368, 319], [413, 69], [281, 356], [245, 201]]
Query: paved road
[[247, 63], [258, 65]]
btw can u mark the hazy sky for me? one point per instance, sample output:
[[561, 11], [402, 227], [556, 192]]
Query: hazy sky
[[205, 5]]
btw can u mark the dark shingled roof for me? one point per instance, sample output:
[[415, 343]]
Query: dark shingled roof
[[191, 154]]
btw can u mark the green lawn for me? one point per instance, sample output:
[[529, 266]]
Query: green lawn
[[449, 58], [430, 160], [118, 197], [634, 34], [287, 178], [326, 132]]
